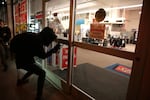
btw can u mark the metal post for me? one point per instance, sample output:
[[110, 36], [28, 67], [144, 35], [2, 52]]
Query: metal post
[[70, 48]]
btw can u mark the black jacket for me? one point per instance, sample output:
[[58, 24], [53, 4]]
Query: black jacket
[[26, 46], [5, 34]]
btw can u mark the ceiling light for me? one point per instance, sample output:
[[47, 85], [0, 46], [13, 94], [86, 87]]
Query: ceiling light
[[124, 7], [79, 6], [3, 2]]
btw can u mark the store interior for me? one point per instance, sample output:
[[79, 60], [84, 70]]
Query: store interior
[[91, 71], [121, 21]]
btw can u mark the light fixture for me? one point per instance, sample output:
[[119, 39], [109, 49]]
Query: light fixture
[[3, 2], [79, 6], [125, 7]]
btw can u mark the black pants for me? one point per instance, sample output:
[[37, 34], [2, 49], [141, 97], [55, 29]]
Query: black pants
[[34, 69], [7, 51], [3, 56]]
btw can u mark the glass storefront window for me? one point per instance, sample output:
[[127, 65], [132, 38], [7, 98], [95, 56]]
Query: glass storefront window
[[101, 76], [119, 29], [57, 17], [35, 16], [103, 52]]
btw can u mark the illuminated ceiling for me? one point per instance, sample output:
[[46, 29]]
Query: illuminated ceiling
[[63, 5]]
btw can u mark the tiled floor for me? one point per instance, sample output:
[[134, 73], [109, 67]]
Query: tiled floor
[[99, 59], [9, 90]]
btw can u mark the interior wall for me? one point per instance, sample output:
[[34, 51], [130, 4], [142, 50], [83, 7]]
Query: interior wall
[[36, 5], [132, 19]]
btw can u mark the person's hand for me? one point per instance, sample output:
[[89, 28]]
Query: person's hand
[[56, 48]]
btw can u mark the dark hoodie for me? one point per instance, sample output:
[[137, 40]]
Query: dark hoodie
[[28, 45], [5, 34]]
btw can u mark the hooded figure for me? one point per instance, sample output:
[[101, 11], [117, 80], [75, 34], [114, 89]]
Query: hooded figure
[[26, 46], [5, 35]]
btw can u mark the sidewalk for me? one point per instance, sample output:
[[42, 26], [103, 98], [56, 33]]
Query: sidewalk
[[9, 90]]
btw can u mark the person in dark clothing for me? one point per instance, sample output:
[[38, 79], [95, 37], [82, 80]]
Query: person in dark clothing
[[5, 32], [26, 46], [5, 35]]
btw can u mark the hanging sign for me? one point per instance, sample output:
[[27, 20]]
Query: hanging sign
[[97, 31]]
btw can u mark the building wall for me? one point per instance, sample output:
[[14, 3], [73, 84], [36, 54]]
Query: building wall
[[10, 20]]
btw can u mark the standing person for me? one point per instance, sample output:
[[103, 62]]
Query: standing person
[[5, 35], [28, 45], [56, 25]]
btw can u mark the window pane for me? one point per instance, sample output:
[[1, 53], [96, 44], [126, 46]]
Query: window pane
[[119, 29], [57, 17], [101, 76]]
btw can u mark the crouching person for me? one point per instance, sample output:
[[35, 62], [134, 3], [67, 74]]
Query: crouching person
[[26, 46]]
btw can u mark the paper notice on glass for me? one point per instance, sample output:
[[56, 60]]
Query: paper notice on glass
[[97, 31]]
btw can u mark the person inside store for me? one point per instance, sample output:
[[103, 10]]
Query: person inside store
[[25, 47], [57, 25], [100, 15], [5, 35]]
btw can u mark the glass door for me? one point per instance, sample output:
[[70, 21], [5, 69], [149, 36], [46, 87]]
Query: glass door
[[57, 17], [96, 58], [105, 49]]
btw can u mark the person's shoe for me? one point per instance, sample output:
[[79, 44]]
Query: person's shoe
[[21, 82]]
